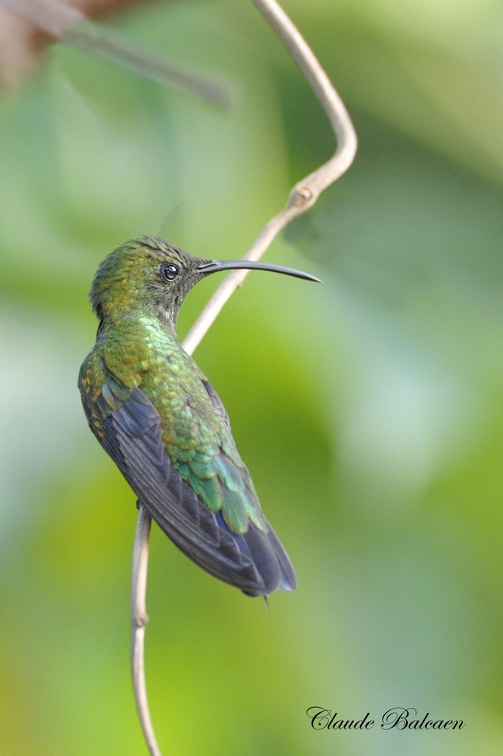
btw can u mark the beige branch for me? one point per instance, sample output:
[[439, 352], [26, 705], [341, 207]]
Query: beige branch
[[303, 195], [139, 622]]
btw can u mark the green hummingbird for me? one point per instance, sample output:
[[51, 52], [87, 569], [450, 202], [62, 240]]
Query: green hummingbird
[[162, 422]]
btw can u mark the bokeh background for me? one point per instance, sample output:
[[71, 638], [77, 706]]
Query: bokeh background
[[369, 409]]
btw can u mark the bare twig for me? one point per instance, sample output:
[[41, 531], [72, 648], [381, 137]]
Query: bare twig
[[107, 43], [139, 623], [69, 24], [303, 195]]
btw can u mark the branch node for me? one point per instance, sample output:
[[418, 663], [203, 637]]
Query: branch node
[[301, 197], [141, 621]]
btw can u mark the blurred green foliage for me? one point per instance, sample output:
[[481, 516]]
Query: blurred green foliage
[[369, 410]]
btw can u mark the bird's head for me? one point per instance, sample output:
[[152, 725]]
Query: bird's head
[[148, 274]]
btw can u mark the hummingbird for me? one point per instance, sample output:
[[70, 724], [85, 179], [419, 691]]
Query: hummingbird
[[156, 414]]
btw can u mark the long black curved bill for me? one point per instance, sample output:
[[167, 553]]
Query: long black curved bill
[[216, 265]]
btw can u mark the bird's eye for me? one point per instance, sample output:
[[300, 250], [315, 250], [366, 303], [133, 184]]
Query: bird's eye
[[169, 271]]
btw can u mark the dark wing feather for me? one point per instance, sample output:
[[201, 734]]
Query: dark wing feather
[[254, 561], [215, 400]]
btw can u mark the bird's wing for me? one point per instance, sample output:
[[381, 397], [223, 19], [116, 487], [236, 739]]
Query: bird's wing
[[129, 428]]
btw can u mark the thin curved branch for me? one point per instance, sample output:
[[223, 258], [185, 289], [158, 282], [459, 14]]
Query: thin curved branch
[[139, 622], [303, 195]]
